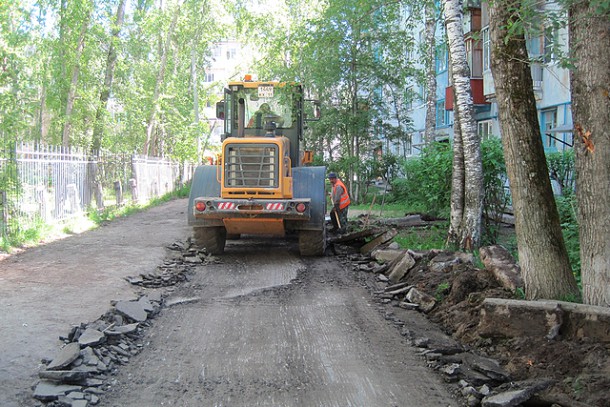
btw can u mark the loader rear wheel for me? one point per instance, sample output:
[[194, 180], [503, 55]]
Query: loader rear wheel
[[212, 238], [312, 242]]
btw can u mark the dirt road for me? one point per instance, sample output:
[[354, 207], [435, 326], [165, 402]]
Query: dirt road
[[262, 328]]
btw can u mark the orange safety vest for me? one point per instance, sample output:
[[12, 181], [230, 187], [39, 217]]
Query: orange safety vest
[[344, 201]]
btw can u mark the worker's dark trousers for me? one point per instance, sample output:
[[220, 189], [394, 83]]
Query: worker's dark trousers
[[342, 220]]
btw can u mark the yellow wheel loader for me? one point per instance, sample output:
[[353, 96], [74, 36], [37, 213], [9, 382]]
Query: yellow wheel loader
[[261, 185]]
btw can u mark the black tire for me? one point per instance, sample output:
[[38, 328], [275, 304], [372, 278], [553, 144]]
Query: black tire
[[312, 242], [213, 239]]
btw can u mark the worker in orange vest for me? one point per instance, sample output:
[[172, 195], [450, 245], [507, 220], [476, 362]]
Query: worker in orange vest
[[340, 200]]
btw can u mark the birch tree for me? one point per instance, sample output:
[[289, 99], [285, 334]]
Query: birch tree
[[430, 70], [152, 120], [88, 8], [590, 47], [465, 227], [108, 77], [542, 253]]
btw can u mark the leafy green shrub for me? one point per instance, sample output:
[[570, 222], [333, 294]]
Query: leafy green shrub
[[495, 199], [427, 180]]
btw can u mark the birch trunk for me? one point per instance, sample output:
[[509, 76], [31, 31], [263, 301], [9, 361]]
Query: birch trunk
[[472, 188], [74, 81], [98, 129], [150, 126], [457, 184], [429, 132], [590, 47], [542, 253]]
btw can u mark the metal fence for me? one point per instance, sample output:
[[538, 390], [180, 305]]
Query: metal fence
[[46, 184]]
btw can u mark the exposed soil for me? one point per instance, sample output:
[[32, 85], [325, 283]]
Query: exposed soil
[[579, 369]]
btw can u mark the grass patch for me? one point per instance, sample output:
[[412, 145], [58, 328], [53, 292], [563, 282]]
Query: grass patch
[[423, 238], [389, 210]]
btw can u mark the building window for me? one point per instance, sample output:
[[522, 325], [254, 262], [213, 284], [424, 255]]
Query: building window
[[486, 49], [440, 114], [217, 52], [407, 146], [231, 52], [409, 97], [484, 129], [474, 51], [209, 77], [441, 58], [548, 121]]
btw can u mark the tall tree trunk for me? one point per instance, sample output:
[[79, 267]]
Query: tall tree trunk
[[470, 231], [159, 83], [98, 129], [74, 81], [590, 81], [430, 69], [542, 252], [457, 183]]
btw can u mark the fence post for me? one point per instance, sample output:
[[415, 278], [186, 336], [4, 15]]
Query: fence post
[[118, 190], [3, 231], [134, 189]]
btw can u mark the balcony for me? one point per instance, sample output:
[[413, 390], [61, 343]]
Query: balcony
[[478, 97]]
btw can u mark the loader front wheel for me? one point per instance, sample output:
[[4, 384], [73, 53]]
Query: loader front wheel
[[312, 242], [213, 239]]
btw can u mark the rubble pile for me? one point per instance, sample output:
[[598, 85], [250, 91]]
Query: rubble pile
[[448, 288], [176, 267], [78, 375]]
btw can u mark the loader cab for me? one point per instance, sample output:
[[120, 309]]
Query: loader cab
[[265, 109]]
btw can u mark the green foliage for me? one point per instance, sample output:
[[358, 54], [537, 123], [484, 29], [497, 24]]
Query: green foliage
[[427, 180], [561, 170], [19, 237], [441, 291], [569, 226], [496, 199]]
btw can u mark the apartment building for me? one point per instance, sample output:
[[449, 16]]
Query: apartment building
[[551, 83]]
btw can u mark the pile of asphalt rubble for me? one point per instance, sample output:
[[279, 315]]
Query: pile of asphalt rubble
[[92, 353], [478, 380]]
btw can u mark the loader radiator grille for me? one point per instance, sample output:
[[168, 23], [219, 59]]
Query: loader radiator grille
[[251, 165]]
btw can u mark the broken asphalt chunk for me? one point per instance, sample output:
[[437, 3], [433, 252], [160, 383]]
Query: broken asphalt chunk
[[48, 391], [132, 309], [379, 240], [122, 329], [91, 337], [63, 376], [66, 355]]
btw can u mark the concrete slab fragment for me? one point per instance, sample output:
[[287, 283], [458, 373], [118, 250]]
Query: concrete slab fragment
[[401, 268], [518, 318]]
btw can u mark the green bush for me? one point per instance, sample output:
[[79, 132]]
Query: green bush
[[427, 180], [495, 199]]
